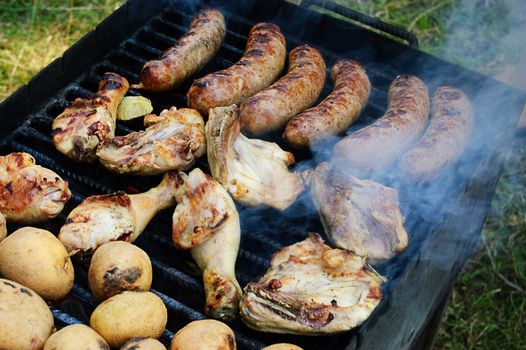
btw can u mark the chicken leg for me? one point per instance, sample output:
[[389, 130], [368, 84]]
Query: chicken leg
[[30, 193], [119, 216], [206, 222], [86, 122]]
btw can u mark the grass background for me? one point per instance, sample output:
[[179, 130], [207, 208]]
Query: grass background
[[488, 304]]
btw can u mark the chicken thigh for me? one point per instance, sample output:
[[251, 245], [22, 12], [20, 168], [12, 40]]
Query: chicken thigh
[[173, 141], [119, 216], [206, 222], [86, 122], [311, 289], [358, 215], [30, 193], [255, 172]]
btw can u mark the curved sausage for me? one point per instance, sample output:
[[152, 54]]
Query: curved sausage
[[337, 111], [377, 146], [445, 137], [188, 55], [271, 108], [260, 65]]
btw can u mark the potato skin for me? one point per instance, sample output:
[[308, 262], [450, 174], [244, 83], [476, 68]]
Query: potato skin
[[74, 337], [129, 315], [25, 319], [204, 335], [143, 344], [3, 227], [282, 346], [37, 259], [119, 266]]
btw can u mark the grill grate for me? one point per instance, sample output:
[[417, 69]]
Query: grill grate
[[264, 231]]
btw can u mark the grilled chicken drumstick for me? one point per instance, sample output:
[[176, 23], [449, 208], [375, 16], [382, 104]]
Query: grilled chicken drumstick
[[311, 289], [172, 142], [358, 215], [100, 219], [86, 122], [253, 171], [30, 193], [206, 222]]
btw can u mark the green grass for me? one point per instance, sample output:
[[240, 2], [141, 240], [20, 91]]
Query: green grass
[[488, 305]]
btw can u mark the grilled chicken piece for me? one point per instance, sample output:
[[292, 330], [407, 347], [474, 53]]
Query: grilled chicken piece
[[30, 193], [119, 216], [172, 141], [255, 172], [311, 289], [206, 222], [358, 215], [86, 122]]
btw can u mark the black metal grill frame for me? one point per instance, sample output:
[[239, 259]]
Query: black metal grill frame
[[447, 217]]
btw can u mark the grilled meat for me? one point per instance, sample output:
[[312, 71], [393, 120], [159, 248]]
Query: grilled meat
[[359, 215], [30, 193], [445, 137], [311, 289], [86, 122], [253, 171], [206, 222], [374, 148], [188, 55], [337, 111], [271, 108], [100, 219], [261, 64], [175, 141]]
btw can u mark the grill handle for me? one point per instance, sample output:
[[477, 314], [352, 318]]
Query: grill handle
[[364, 19]]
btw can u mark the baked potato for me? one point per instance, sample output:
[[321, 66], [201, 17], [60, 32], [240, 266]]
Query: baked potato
[[119, 266], [204, 335], [143, 344], [36, 259], [282, 346], [75, 337]]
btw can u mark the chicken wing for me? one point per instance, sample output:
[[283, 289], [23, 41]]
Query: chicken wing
[[119, 216], [86, 122], [206, 222], [358, 215], [311, 289], [30, 193], [173, 142], [255, 172]]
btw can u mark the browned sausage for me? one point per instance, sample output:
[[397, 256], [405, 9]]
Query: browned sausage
[[260, 65], [188, 55], [336, 112], [377, 146], [271, 108], [445, 137]]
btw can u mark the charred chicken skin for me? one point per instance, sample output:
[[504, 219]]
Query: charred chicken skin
[[255, 172], [206, 222], [86, 122], [358, 215], [30, 193], [172, 141], [101, 219], [311, 289]]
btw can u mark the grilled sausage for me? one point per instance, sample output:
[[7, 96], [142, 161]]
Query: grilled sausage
[[336, 112], [377, 146], [271, 108], [445, 137], [188, 55], [260, 65]]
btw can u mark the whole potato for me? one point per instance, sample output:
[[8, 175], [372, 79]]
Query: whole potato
[[143, 344], [25, 319], [204, 335], [75, 337], [129, 315], [119, 266], [38, 260], [282, 346]]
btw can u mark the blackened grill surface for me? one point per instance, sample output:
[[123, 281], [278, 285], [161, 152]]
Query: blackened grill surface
[[443, 219]]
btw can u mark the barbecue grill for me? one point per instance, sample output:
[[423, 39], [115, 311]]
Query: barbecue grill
[[443, 218]]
